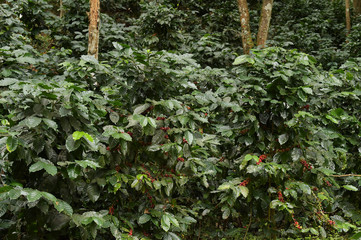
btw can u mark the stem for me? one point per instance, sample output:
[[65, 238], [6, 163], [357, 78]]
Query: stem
[[249, 224]]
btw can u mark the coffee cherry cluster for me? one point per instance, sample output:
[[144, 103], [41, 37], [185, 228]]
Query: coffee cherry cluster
[[117, 148], [160, 118], [245, 182], [111, 210], [148, 173], [180, 159], [296, 224], [306, 107], [165, 128], [244, 131], [261, 158], [184, 140], [306, 165], [331, 222], [280, 196], [150, 198], [150, 176], [328, 183]]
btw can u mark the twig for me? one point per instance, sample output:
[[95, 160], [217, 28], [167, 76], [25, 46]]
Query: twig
[[249, 224], [200, 227], [347, 175]]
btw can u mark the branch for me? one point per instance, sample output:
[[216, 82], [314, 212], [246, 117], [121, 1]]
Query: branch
[[347, 175]]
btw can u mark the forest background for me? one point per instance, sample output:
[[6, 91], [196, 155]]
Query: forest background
[[180, 119]]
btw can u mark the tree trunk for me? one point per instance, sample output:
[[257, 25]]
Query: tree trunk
[[357, 6], [247, 42], [94, 19], [348, 18], [264, 23], [61, 8]]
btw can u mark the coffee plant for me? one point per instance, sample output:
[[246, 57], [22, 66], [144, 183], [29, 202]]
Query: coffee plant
[[172, 134]]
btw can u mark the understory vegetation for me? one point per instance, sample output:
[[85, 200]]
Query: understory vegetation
[[174, 133]]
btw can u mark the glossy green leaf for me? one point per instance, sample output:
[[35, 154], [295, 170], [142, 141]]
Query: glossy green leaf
[[350, 187], [189, 137], [32, 122], [165, 222], [144, 218], [11, 144], [44, 164], [244, 191], [282, 139]]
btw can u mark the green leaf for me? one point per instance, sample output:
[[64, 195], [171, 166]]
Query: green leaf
[[77, 135], [243, 59], [302, 95], [143, 122], [144, 218], [296, 154], [63, 206], [23, 60], [88, 163], [93, 192], [244, 191], [14, 193], [50, 123], [114, 117], [152, 122], [248, 157], [141, 108], [33, 195], [188, 220], [7, 82], [329, 117], [305, 188], [49, 196], [224, 186], [189, 137], [350, 187], [32, 122], [71, 145], [323, 232], [307, 90], [11, 144], [173, 220], [169, 104], [165, 222], [125, 136], [44, 164], [174, 236], [226, 213], [282, 139], [356, 236], [314, 231], [326, 171]]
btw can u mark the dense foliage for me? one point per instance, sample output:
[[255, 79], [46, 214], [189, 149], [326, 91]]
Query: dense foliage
[[173, 134]]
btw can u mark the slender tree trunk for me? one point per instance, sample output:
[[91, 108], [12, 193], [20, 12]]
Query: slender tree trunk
[[264, 23], [348, 18], [61, 8], [357, 6], [94, 19], [247, 42]]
